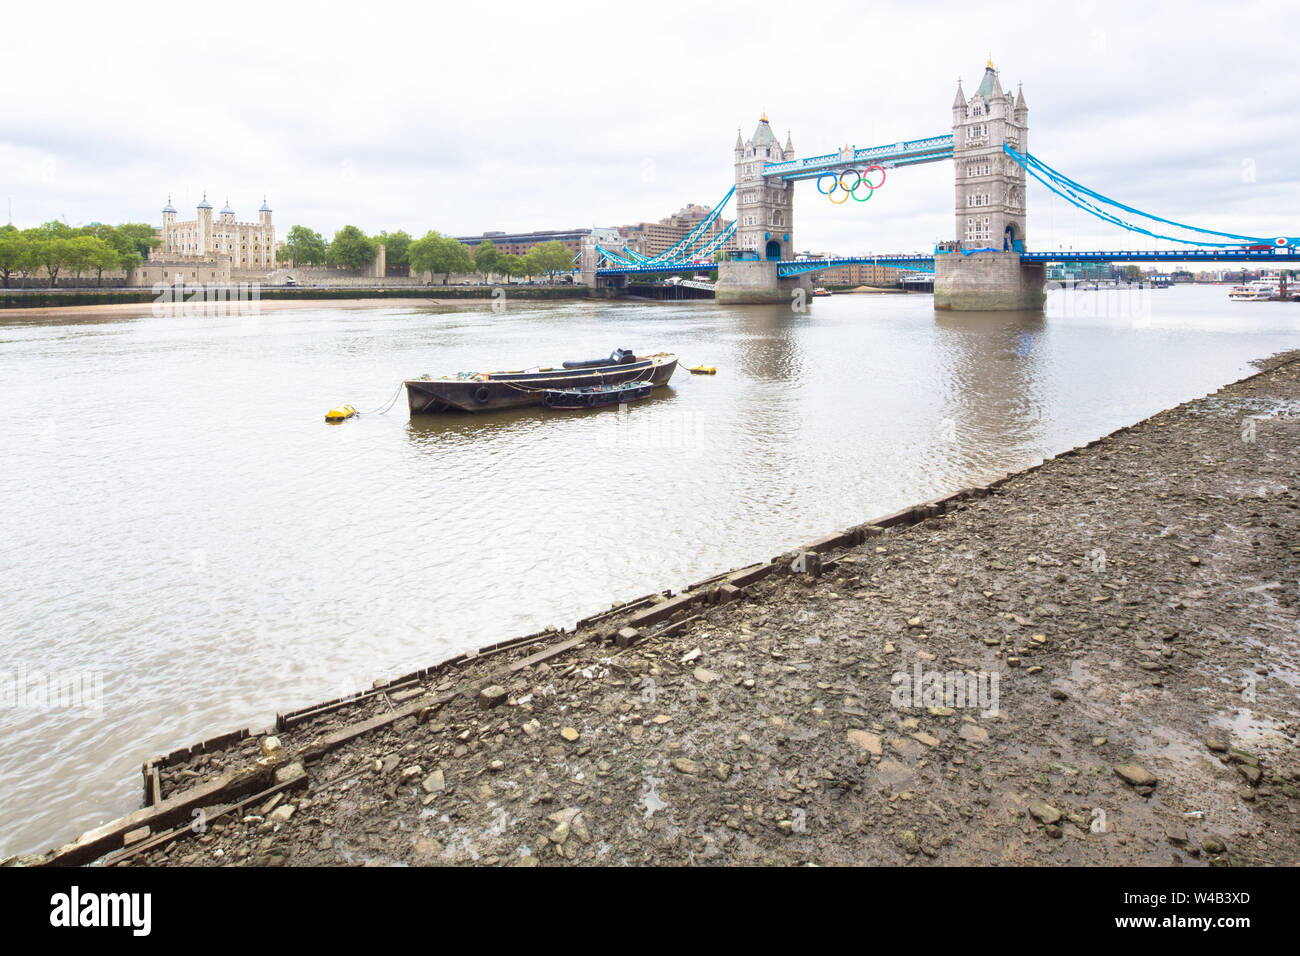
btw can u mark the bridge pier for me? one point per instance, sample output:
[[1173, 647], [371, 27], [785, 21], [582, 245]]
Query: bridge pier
[[987, 281], [755, 282]]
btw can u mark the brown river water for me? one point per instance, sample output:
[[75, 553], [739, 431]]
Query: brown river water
[[187, 548]]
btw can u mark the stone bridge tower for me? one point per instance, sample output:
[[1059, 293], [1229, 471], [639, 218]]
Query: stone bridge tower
[[984, 271], [764, 207], [990, 185]]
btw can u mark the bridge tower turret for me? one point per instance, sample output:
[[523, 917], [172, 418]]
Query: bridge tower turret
[[764, 207], [990, 186]]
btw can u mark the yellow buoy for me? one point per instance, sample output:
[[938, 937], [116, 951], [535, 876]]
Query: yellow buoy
[[340, 414], [703, 370]]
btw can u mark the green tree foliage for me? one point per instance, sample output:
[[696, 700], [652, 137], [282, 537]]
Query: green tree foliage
[[549, 258], [13, 250], [486, 258], [351, 249], [512, 266], [52, 255], [397, 247], [1133, 273], [439, 254], [303, 247]]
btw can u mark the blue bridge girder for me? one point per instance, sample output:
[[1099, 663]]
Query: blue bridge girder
[[915, 262], [910, 153], [924, 262], [1261, 256]]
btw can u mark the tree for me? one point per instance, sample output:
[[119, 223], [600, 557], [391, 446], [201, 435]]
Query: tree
[[351, 249], [436, 253], [303, 247], [82, 252], [14, 247], [52, 255], [104, 256], [1133, 273], [486, 258], [512, 266], [548, 258], [136, 238], [397, 247]]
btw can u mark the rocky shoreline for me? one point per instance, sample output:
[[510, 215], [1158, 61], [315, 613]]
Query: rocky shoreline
[[1096, 661]]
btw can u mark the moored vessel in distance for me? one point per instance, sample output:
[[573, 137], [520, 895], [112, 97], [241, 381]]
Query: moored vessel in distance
[[821, 291], [491, 391]]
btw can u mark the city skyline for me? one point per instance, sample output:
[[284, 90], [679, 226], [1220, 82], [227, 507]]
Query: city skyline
[[1122, 99]]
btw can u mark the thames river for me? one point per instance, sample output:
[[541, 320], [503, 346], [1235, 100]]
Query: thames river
[[190, 545]]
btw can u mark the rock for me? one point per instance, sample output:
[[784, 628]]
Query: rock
[[1044, 812], [704, 676], [560, 834], [908, 842], [412, 771], [927, 739], [570, 734], [435, 782], [685, 765], [868, 742], [1217, 744], [973, 733], [1214, 846], [290, 772], [626, 636], [1176, 835], [427, 850], [532, 727], [271, 747], [1136, 776], [1058, 694], [491, 696], [281, 814], [1252, 774]]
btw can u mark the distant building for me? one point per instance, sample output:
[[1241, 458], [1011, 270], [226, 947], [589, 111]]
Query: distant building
[[518, 243], [1080, 272], [248, 245], [858, 273], [652, 238]]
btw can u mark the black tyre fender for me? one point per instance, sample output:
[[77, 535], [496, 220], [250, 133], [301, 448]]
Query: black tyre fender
[[482, 394]]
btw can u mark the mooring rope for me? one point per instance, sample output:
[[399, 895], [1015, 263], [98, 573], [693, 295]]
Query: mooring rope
[[384, 410]]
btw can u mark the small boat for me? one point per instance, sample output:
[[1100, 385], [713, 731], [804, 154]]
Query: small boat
[[819, 291], [596, 396], [492, 391]]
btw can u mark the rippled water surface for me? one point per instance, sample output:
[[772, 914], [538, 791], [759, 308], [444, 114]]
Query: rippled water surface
[[181, 529]]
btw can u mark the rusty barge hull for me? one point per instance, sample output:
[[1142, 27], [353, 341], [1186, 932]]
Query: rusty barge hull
[[502, 390]]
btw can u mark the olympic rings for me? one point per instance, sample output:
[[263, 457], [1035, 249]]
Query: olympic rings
[[840, 184]]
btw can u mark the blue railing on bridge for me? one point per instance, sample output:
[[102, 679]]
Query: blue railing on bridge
[[917, 262]]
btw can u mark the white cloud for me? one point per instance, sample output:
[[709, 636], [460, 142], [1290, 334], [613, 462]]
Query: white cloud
[[527, 116]]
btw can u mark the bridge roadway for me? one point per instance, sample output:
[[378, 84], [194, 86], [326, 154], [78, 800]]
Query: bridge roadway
[[924, 262]]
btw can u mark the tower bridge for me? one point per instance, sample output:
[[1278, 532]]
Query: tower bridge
[[989, 264]]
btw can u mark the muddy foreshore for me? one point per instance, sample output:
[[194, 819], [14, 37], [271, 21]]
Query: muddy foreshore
[[1125, 618]]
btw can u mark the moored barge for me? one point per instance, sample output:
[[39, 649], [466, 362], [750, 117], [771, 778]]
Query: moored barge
[[492, 391]]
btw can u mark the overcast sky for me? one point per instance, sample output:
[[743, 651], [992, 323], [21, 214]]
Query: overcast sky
[[520, 116]]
